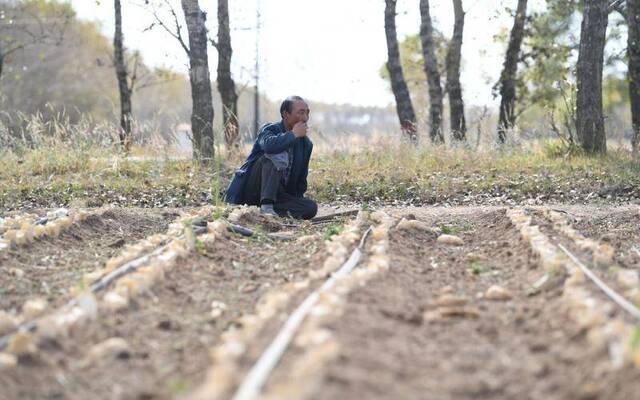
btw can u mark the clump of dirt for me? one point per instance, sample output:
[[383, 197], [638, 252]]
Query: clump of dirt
[[48, 267], [254, 219]]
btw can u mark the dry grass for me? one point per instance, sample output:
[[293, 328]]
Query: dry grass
[[57, 163], [539, 172]]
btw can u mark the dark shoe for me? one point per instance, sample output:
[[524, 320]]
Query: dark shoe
[[267, 209]]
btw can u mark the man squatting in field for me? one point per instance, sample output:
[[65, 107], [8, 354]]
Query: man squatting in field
[[274, 175]]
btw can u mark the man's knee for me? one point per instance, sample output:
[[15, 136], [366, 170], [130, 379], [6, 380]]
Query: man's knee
[[269, 170], [270, 165]]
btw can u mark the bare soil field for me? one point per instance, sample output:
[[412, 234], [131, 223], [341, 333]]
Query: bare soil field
[[49, 267], [520, 348], [452, 316]]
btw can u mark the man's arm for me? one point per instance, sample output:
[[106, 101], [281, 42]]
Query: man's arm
[[271, 141]]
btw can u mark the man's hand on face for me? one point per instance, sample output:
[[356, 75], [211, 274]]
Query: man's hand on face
[[300, 129]]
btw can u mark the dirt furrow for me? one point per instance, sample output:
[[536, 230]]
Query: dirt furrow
[[617, 226], [241, 346], [49, 267], [395, 342], [430, 326], [605, 243], [167, 331]]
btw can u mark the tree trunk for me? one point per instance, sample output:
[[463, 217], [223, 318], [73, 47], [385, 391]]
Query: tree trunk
[[226, 85], [404, 107], [201, 98], [633, 50], [589, 114], [123, 85], [433, 75], [507, 119], [456, 105]]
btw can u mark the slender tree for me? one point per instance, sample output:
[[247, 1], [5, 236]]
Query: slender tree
[[404, 107], [456, 105], [123, 81], [589, 113], [432, 72], [201, 97], [633, 51], [507, 83], [226, 85]]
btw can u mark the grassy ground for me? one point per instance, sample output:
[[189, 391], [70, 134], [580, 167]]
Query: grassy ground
[[428, 176], [392, 173]]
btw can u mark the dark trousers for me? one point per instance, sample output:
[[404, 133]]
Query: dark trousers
[[264, 185]]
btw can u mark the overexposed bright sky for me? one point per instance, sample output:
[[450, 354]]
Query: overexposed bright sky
[[324, 50]]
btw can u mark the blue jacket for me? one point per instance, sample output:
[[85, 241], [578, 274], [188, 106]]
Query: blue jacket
[[273, 139]]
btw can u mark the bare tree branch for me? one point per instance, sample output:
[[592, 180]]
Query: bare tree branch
[[177, 33], [620, 9], [613, 6], [30, 24], [134, 73], [152, 83]]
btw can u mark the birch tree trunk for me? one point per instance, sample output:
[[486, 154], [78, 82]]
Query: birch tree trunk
[[226, 85], [456, 105], [433, 75], [633, 50], [589, 113], [123, 81], [507, 119], [404, 107], [201, 97]]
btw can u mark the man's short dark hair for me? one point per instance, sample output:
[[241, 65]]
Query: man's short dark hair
[[287, 104]]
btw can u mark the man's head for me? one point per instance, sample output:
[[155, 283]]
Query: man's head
[[293, 110]]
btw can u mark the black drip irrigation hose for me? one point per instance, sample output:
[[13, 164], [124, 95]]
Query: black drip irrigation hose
[[241, 230]]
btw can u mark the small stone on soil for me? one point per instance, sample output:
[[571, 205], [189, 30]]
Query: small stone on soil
[[111, 348], [465, 312], [7, 322], [114, 301], [450, 240], [21, 344], [34, 308], [17, 272], [451, 300], [474, 257], [628, 278], [248, 288], [603, 255], [217, 309], [412, 224], [8, 361], [499, 293], [446, 289]]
